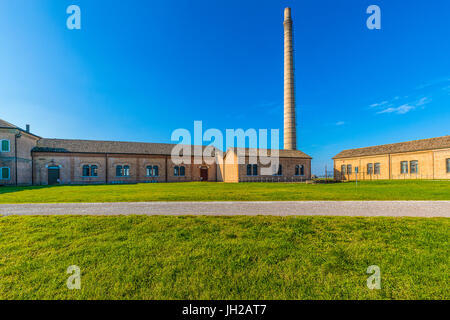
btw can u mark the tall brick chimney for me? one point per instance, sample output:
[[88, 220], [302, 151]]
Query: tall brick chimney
[[290, 131]]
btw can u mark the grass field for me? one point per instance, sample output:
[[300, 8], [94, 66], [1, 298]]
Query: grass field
[[197, 191], [136, 257]]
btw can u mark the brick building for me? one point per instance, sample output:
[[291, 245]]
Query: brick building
[[41, 161], [15, 154], [242, 165], [419, 159]]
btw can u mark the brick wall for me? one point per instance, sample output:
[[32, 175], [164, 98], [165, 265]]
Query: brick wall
[[25, 143], [440, 164], [431, 164], [71, 168], [288, 171], [361, 163]]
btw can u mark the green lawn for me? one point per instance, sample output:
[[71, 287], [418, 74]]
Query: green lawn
[[142, 257], [197, 191]]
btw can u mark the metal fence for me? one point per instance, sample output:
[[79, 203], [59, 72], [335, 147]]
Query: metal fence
[[371, 176], [274, 179]]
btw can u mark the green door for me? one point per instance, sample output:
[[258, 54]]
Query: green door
[[53, 175]]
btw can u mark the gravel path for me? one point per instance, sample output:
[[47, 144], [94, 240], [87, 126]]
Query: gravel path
[[276, 208]]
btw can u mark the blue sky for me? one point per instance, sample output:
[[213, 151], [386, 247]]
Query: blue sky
[[138, 70]]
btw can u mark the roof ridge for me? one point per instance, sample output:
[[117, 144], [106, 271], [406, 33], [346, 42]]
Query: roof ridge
[[107, 141], [8, 124], [405, 146], [394, 143]]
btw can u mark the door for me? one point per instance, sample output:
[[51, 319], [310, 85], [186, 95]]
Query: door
[[53, 175], [204, 174]]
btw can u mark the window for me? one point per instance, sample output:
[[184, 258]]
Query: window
[[356, 169], [252, 170], [5, 146], [90, 170], [414, 166], [126, 171], [86, 170], [404, 167], [370, 168], [278, 171], [152, 171], [300, 170], [249, 169], [343, 169], [448, 165], [349, 169], [179, 171], [94, 171], [377, 168], [119, 172], [5, 173]]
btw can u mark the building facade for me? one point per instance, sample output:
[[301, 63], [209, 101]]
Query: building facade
[[419, 159], [27, 159], [15, 154], [244, 165]]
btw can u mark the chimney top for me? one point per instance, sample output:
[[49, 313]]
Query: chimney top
[[287, 14], [28, 128]]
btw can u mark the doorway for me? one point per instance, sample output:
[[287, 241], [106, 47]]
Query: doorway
[[204, 174], [53, 175]]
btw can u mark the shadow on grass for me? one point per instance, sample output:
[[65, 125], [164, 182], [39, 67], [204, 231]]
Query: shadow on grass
[[12, 189], [7, 189]]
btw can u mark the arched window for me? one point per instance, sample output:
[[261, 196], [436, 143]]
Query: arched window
[[126, 171], [155, 172], [370, 168], [176, 171], [149, 171], [94, 171], [119, 172], [5, 147], [249, 169], [86, 171], [5, 173], [414, 166], [255, 169], [377, 168], [277, 171], [299, 170], [182, 171]]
